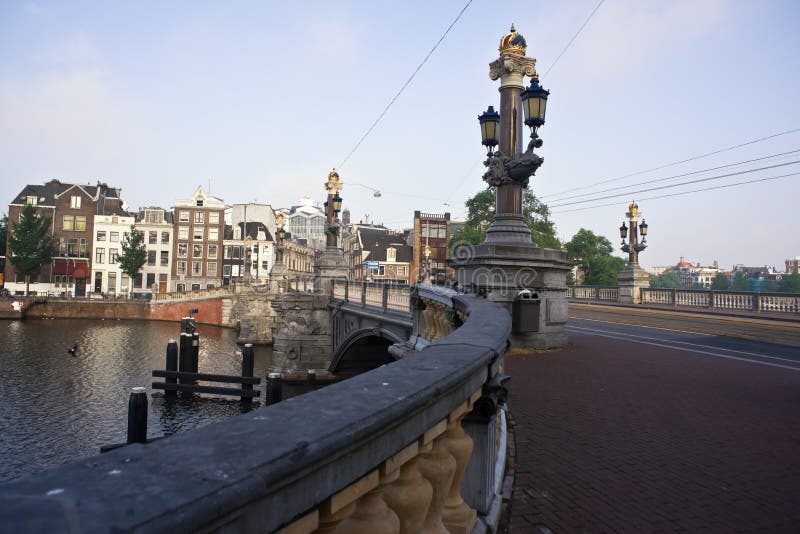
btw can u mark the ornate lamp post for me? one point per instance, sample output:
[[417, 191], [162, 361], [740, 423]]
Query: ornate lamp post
[[633, 278], [634, 247], [332, 264]]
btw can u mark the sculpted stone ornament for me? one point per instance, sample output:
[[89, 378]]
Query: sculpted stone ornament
[[512, 64], [516, 169]]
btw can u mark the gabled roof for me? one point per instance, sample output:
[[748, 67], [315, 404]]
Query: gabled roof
[[48, 193], [253, 229], [375, 242]]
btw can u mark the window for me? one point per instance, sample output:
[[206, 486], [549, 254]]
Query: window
[[181, 267], [126, 282], [226, 270], [115, 237], [80, 223], [69, 223], [197, 251], [211, 268], [113, 255], [199, 202], [198, 233], [164, 258], [152, 238], [195, 287], [183, 232], [391, 254], [99, 255], [265, 265], [402, 270], [137, 282], [213, 234], [197, 268], [199, 217], [31, 200], [183, 216], [153, 216], [180, 287], [151, 257], [212, 252], [165, 238], [151, 280], [112, 282], [101, 236], [183, 250], [75, 202], [213, 217]]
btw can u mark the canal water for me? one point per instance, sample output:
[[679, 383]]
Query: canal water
[[56, 407]]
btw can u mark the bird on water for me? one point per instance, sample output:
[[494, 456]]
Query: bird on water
[[73, 349]]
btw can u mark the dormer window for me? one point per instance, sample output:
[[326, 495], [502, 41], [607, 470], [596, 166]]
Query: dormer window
[[32, 200], [199, 201], [75, 202], [391, 254]]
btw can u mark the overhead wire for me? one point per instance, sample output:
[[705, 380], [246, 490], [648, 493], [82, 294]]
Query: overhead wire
[[723, 186], [553, 64], [672, 164], [676, 176], [628, 193], [403, 88]]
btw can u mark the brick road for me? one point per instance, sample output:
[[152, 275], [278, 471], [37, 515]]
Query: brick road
[[616, 436]]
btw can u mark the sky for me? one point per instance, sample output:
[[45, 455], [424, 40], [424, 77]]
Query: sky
[[259, 100]]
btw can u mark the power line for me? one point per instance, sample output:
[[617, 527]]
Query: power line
[[341, 165], [573, 38], [664, 166], [673, 177], [627, 193], [688, 192]]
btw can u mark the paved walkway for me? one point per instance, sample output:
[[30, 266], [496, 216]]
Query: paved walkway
[[615, 434]]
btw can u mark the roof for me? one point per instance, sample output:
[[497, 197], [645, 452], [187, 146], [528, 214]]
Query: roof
[[253, 230], [47, 194], [168, 215], [375, 242]]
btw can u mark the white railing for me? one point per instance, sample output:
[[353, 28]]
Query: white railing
[[693, 299], [658, 296], [779, 303], [733, 301], [399, 298], [373, 295]]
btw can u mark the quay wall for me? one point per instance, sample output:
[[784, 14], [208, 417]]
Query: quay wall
[[209, 310]]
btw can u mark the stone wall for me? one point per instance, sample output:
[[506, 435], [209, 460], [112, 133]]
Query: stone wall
[[303, 339], [88, 309], [209, 311]]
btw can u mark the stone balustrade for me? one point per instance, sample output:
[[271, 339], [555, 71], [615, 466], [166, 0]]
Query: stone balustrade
[[211, 292], [742, 301], [384, 451]]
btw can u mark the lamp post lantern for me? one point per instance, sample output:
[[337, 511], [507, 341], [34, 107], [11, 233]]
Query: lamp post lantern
[[331, 264], [633, 247]]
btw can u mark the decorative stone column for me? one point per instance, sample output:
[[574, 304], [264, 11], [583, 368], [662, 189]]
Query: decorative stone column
[[633, 278], [508, 261], [332, 264]]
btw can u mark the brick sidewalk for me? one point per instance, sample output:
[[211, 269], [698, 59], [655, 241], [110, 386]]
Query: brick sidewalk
[[615, 436]]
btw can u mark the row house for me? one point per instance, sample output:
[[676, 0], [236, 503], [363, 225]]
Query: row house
[[199, 235], [306, 221], [110, 231], [251, 258], [389, 257], [72, 208], [298, 258], [431, 234], [156, 225]]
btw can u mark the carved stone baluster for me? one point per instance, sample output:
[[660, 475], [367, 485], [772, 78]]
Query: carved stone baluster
[[438, 467], [410, 495], [428, 328], [458, 517], [338, 507], [329, 521], [371, 514], [437, 321]]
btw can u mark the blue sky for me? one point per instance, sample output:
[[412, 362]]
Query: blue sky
[[261, 99]]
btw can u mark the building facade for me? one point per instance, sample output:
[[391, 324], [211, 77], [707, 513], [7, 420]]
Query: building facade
[[157, 226], [198, 232], [110, 231], [72, 208], [306, 221], [431, 234]]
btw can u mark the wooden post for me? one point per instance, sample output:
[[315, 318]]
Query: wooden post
[[247, 370], [273, 388], [195, 353], [137, 416], [311, 378], [184, 355], [171, 365]]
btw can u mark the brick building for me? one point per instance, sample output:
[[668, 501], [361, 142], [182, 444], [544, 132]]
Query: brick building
[[72, 208], [431, 231], [198, 231]]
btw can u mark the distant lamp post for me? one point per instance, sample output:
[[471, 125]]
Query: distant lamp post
[[332, 208], [427, 264], [633, 247], [490, 124], [248, 244]]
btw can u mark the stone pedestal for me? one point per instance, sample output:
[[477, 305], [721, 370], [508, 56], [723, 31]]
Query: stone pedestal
[[330, 266], [503, 269], [631, 280], [303, 340]]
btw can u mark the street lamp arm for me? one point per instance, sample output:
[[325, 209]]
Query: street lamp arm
[[375, 192]]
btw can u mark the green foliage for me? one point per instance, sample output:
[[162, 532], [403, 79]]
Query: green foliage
[[721, 282], [790, 283], [3, 234], [133, 255], [740, 282], [592, 253], [480, 214], [30, 244], [667, 280]]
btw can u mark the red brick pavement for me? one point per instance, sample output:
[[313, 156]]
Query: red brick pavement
[[616, 436]]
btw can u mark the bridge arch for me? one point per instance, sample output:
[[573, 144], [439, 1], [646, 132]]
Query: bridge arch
[[364, 350]]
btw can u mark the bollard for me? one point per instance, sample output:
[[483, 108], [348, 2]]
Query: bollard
[[273, 388], [311, 377], [137, 416], [195, 354], [183, 355], [171, 365], [247, 370]]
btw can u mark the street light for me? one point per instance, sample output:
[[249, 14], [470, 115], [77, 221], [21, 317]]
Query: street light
[[490, 123], [633, 247], [623, 232], [534, 105], [332, 208]]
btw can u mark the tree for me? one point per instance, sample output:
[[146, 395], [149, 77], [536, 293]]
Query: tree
[[740, 282], [721, 282], [30, 244], [480, 214], [592, 253], [3, 234], [133, 255], [667, 280], [790, 283]]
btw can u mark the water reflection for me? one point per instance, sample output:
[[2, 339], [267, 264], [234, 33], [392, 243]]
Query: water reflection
[[56, 407]]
